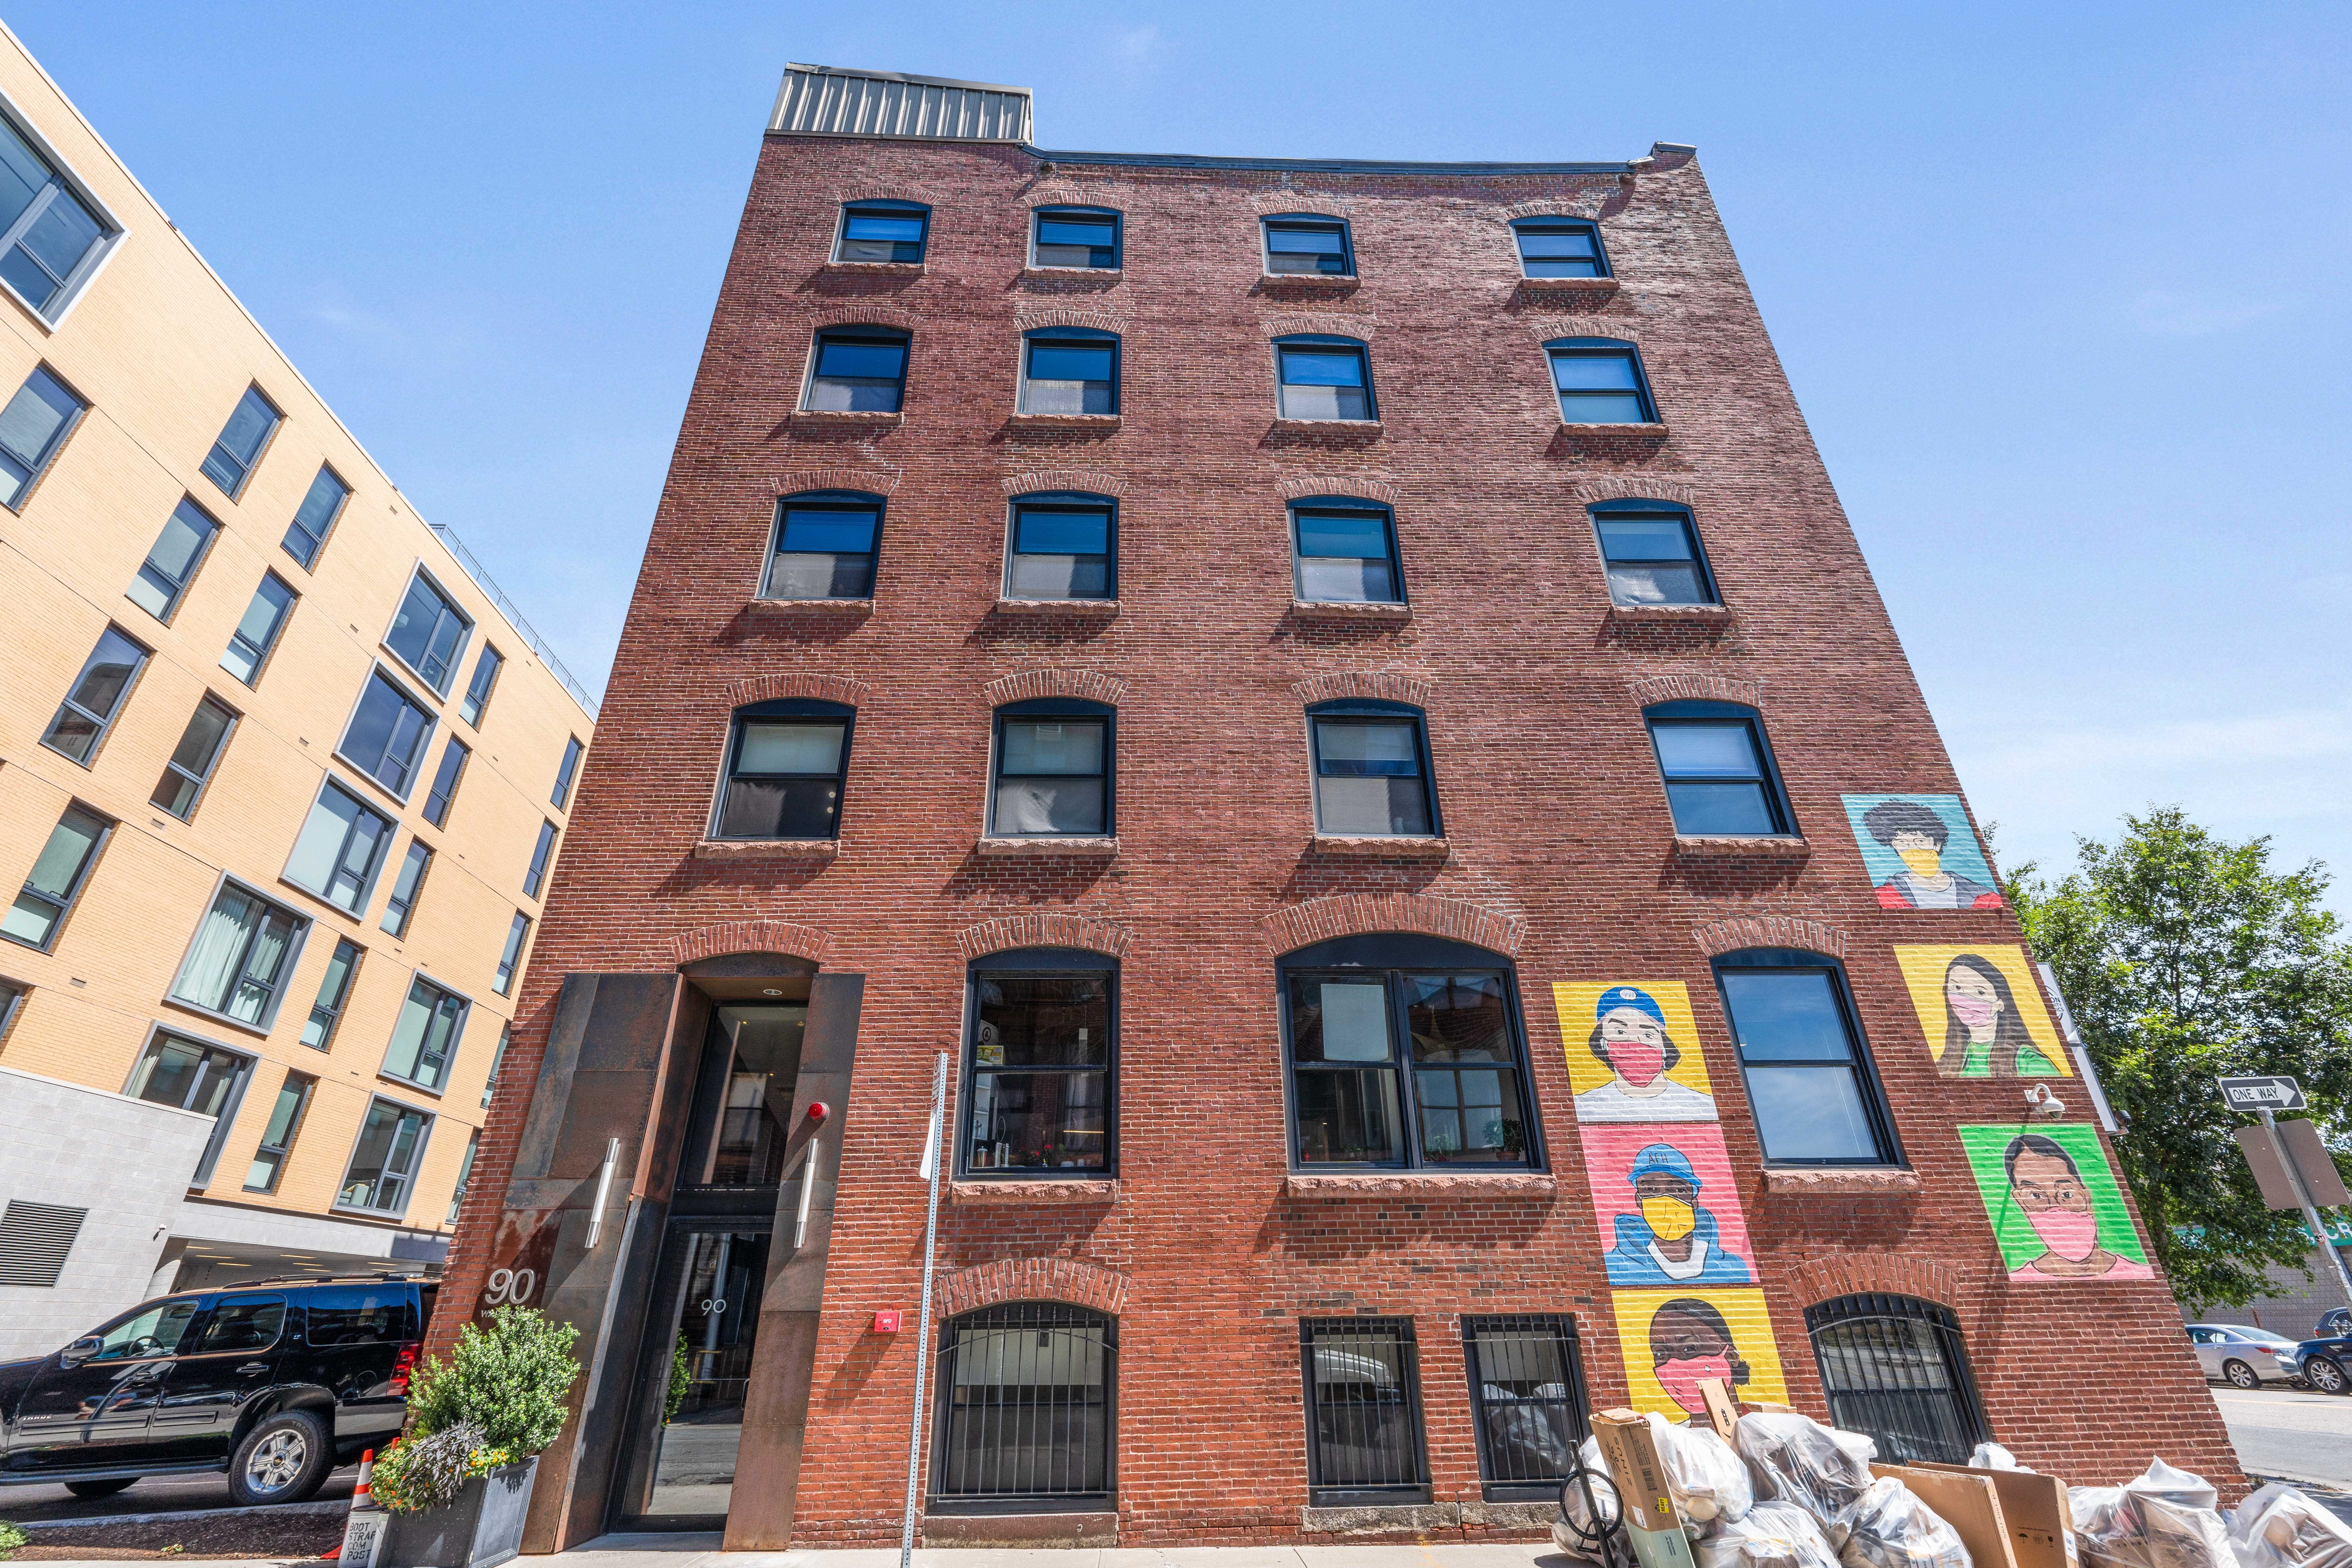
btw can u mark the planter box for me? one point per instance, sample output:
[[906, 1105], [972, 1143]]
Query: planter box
[[482, 1529]]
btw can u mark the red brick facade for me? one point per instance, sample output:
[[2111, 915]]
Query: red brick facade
[[1560, 850]]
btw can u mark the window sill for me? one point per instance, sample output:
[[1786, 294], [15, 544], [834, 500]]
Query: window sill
[[1670, 612], [1089, 1524], [875, 268], [846, 418], [1589, 288], [1049, 844], [1880, 1181], [1379, 1519], [1332, 280], [1103, 423], [767, 849], [1347, 610], [1284, 427], [1038, 1190], [1422, 1184], [814, 606], [1092, 609], [407, 1083], [1782, 845], [1377, 845], [1652, 432], [1073, 274], [223, 1019]]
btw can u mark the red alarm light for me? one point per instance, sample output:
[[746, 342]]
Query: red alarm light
[[818, 1110], [886, 1322]]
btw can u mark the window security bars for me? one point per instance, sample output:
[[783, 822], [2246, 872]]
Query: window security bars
[[230, 462], [1527, 1390], [1363, 1411], [190, 766], [1897, 1368], [1027, 1409]]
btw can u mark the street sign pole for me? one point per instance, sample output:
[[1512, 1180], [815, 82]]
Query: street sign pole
[[2310, 1210], [933, 1149]]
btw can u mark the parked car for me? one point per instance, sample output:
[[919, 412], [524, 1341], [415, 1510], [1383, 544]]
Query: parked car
[[2326, 1363], [2332, 1323], [276, 1382], [2243, 1357]]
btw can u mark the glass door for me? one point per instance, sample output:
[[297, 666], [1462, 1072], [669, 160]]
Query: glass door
[[681, 1473]]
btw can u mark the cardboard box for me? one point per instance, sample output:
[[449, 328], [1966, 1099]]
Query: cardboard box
[[1965, 1500], [1654, 1528], [2041, 1533], [1722, 1410]]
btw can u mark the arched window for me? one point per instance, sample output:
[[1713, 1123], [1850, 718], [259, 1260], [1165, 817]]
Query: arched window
[[1087, 238], [1069, 370], [1040, 1065], [1599, 382], [1560, 248], [1895, 1368], [1344, 551], [1309, 243], [786, 765], [882, 231], [1720, 778], [858, 370], [1810, 1082], [1063, 544], [1652, 552], [1054, 775], [825, 546], [1323, 378], [1027, 1408], [1373, 774]]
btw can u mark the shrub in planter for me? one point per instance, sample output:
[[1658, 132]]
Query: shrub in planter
[[511, 1382]]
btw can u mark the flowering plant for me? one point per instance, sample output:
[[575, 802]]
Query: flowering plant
[[419, 1473]]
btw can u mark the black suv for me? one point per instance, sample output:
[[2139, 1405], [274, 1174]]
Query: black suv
[[276, 1382]]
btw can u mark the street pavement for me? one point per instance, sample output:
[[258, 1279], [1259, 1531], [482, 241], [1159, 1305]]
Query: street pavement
[[2290, 1436], [155, 1494]]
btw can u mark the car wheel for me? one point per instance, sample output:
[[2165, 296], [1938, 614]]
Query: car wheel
[[284, 1458], [2326, 1376], [2239, 1375], [100, 1488]]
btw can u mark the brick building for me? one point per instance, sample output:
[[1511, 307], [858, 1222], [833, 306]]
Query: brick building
[[1341, 696]]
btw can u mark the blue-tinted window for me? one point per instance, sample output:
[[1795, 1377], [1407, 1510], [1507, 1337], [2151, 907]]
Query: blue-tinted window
[[1323, 379], [1062, 549], [308, 533], [445, 782], [1371, 771], [882, 231], [1560, 248], [230, 462], [478, 690], [565, 771], [340, 848], [257, 632], [1652, 555], [825, 547], [1316, 246], [1808, 1077], [1071, 237], [1717, 770], [429, 633], [387, 734], [858, 370], [1053, 770], [787, 763], [171, 564], [1066, 371], [1345, 554], [95, 698], [1599, 383], [535, 877], [49, 238], [32, 428]]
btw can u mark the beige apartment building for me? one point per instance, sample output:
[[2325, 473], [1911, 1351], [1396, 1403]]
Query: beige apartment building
[[282, 779]]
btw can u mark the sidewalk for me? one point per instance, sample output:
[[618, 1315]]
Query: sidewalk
[[702, 1551]]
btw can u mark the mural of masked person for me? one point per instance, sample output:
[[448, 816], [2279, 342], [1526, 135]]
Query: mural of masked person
[[1689, 1341], [2048, 1187], [1673, 1240], [1984, 1034], [1629, 1038], [1918, 835]]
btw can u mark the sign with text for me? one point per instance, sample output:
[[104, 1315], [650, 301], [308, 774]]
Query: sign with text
[[2261, 1093]]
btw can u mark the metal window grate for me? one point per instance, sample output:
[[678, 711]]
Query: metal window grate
[[1363, 1410], [1527, 1389], [1897, 1368], [34, 1241], [1025, 1408]]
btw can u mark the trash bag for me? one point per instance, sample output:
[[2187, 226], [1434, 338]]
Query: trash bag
[[1769, 1535], [1893, 1529], [1993, 1457], [1706, 1479], [1795, 1458], [2163, 1519], [1574, 1530], [2280, 1526]]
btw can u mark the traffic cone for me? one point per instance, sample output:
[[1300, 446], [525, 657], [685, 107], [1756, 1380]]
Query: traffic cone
[[364, 1527]]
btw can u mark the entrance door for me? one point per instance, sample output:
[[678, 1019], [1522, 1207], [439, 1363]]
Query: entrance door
[[681, 1472]]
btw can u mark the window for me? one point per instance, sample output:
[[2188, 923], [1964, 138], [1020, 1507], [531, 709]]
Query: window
[[334, 990], [1044, 1027], [535, 877], [1350, 1003], [230, 462], [277, 1133], [340, 848], [179, 549], [1062, 548], [1069, 370], [57, 879], [445, 782], [257, 633], [1810, 1083], [244, 952], [306, 535], [1720, 777], [565, 770], [12, 996], [241, 1325], [190, 766], [32, 428], [465, 1175], [510, 957], [409, 882], [787, 763], [882, 231], [1896, 1369], [386, 736], [1344, 552], [1527, 1392], [1053, 770], [1323, 378], [1560, 248], [1077, 236], [825, 546], [498, 1064], [858, 370], [1311, 245], [83, 718], [478, 690], [190, 1074], [1363, 1411], [1599, 382], [1026, 1410], [1652, 555], [1371, 771], [428, 633], [424, 1040], [51, 238], [383, 1165]]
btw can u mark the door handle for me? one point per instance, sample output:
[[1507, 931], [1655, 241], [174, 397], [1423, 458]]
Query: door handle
[[252, 1366]]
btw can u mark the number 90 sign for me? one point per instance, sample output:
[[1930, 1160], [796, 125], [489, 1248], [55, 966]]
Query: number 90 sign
[[509, 1285]]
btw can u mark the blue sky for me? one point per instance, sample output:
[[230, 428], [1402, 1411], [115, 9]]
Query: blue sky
[[2062, 290]]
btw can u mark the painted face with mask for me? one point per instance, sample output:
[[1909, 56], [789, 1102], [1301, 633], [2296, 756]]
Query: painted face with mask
[[1974, 1002], [1689, 1342], [1921, 855], [2057, 1205], [1636, 1044]]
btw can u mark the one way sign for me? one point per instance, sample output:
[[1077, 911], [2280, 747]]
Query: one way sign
[[2261, 1093]]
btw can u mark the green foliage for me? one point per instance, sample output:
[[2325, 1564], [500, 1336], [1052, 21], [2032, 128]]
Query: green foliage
[[420, 1473], [12, 1541], [2186, 958], [681, 1378], [511, 1382]]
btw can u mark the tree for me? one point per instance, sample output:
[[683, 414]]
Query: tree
[[2186, 958]]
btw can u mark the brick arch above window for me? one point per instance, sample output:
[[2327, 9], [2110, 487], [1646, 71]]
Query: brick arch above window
[[1362, 914], [1022, 686], [1615, 328], [1769, 931], [1655, 688], [753, 936], [884, 193], [1371, 486], [1089, 481], [1379, 684], [1637, 488], [1586, 202], [1033, 1279], [1046, 930], [875, 482], [1288, 199], [1098, 320], [1873, 1273], [839, 688], [1322, 324], [868, 315]]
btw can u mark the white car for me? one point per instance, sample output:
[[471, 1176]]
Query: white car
[[2243, 1357]]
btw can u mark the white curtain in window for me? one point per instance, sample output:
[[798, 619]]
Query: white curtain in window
[[260, 979], [213, 965]]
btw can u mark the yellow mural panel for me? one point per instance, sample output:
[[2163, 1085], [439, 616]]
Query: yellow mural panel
[[1981, 1012], [1633, 1051], [1671, 1339]]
